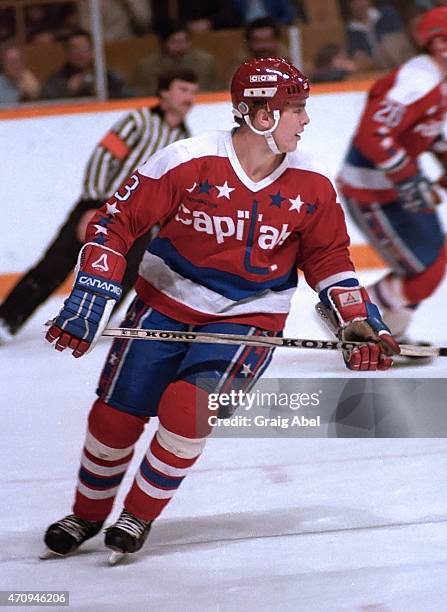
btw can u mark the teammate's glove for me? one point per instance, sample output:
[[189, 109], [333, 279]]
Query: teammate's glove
[[417, 194], [357, 319], [88, 308]]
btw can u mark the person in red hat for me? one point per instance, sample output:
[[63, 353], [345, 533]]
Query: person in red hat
[[238, 214], [383, 185]]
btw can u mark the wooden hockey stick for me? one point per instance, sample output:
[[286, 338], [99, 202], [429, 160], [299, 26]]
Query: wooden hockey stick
[[265, 341]]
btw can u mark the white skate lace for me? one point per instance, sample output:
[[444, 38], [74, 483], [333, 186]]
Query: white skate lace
[[76, 527], [131, 524]]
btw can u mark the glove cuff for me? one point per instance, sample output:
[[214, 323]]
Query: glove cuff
[[102, 262], [348, 304]]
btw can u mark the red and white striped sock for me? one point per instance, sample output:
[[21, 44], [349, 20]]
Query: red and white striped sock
[[108, 450], [174, 449]]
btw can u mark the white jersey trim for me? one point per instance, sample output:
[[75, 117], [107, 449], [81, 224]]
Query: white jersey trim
[[335, 278], [364, 178], [157, 273], [241, 174], [415, 79], [177, 153], [219, 144]]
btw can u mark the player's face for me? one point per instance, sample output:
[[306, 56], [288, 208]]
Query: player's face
[[79, 52], [180, 97], [438, 48], [293, 120]]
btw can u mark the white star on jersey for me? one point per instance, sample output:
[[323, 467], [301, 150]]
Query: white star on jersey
[[246, 370], [296, 203], [113, 359], [224, 190], [112, 209], [100, 230]]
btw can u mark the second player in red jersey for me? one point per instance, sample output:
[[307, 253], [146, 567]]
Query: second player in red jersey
[[387, 194]]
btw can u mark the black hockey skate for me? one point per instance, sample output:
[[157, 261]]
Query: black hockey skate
[[127, 535], [66, 535]]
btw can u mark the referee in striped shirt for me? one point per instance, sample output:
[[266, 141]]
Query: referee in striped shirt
[[129, 143]]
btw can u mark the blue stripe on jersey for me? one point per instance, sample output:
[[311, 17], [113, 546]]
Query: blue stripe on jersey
[[231, 286], [356, 158], [166, 482]]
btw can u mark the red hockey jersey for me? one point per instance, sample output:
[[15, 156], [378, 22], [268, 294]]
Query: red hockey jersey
[[228, 248], [403, 118]]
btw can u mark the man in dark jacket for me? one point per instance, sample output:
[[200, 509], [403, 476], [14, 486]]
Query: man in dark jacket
[[376, 34], [76, 78]]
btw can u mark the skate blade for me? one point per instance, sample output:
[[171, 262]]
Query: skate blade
[[47, 553], [116, 557]]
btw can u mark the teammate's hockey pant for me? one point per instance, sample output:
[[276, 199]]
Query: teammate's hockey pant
[[170, 380], [412, 243]]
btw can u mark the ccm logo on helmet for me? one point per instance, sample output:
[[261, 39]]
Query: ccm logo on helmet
[[263, 78]]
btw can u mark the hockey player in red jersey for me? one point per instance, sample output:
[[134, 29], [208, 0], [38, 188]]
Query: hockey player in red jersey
[[238, 215], [385, 191]]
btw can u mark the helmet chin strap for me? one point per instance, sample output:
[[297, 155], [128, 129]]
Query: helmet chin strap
[[268, 134]]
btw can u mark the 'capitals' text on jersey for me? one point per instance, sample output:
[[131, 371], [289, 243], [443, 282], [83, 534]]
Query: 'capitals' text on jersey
[[228, 248]]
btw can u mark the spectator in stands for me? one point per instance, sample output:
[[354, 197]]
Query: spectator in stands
[[175, 53], [41, 19], [43, 37], [119, 19], [262, 39], [68, 21], [198, 15], [301, 11], [376, 34], [49, 23], [76, 77], [7, 23], [283, 11], [17, 83], [37, 19], [332, 64]]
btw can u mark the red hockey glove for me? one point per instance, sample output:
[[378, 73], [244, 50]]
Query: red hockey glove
[[359, 320], [86, 311]]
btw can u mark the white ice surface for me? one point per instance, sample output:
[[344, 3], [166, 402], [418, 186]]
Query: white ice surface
[[330, 525]]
